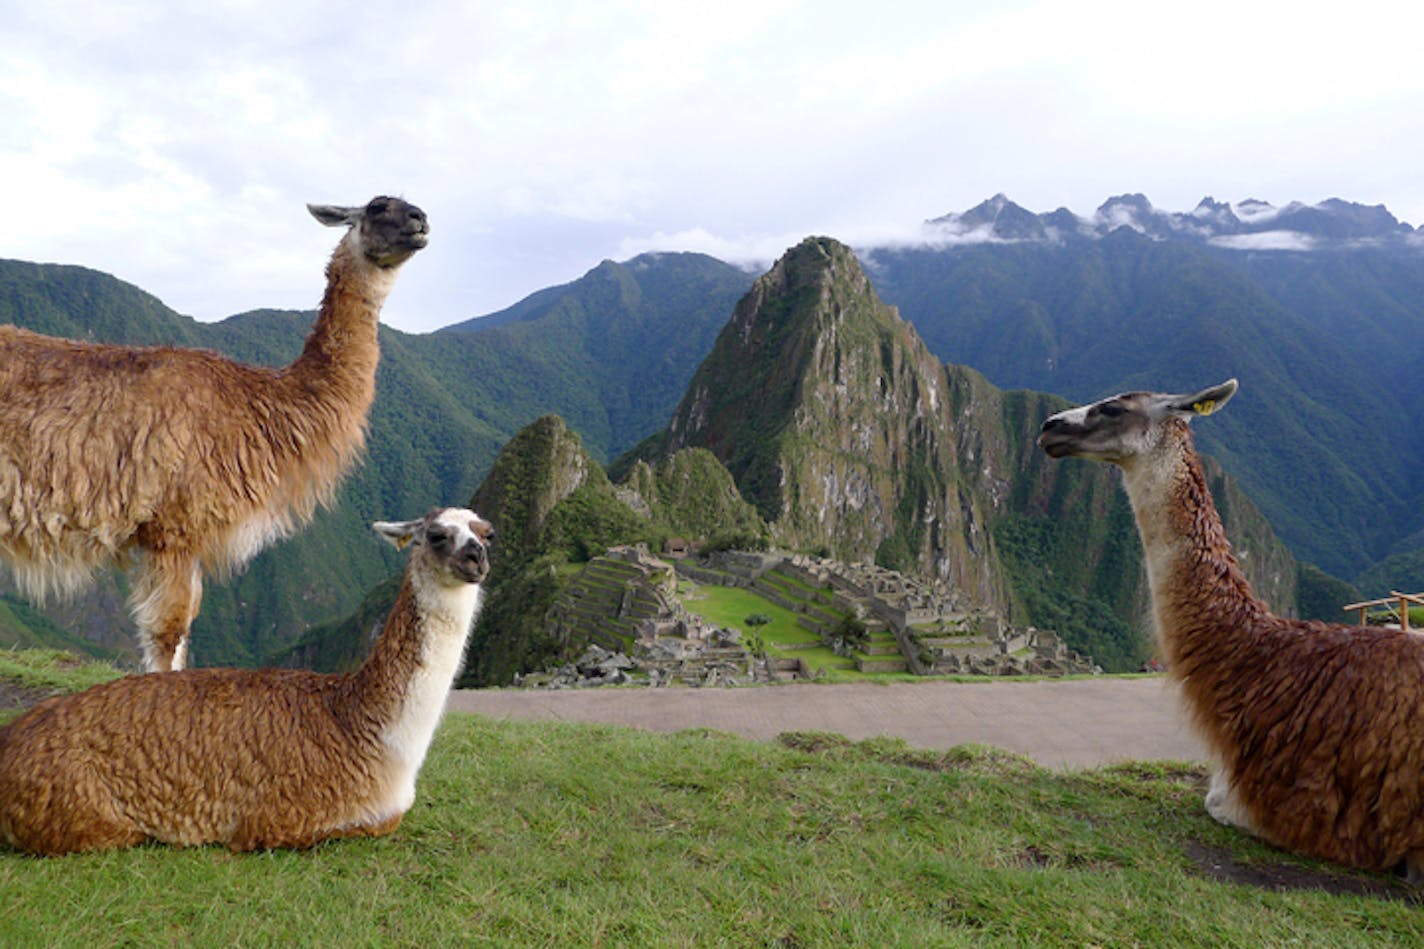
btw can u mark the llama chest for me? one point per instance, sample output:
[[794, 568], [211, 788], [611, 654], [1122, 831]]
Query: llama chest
[[442, 634]]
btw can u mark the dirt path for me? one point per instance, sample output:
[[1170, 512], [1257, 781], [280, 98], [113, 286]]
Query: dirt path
[[1060, 724]]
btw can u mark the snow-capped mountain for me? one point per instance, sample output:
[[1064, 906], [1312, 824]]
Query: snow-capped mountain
[[1251, 224]]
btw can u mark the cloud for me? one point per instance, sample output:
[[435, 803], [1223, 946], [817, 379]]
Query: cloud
[[1252, 211], [174, 146], [1266, 240], [745, 250]]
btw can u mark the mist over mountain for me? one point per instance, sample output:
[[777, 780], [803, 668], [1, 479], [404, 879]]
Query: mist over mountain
[[1247, 225]]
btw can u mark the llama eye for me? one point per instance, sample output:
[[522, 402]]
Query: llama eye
[[438, 538], [1111, 410]]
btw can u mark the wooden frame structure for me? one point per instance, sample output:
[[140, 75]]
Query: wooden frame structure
[[1404, 600]]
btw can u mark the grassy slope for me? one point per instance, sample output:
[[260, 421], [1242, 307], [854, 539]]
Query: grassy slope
[[578, 835], [730, 606]]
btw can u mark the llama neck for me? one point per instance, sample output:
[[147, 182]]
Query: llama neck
[[338, 363], [1200, 599], [400, 691]]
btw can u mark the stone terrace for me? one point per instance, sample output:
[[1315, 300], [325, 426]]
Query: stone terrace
[[626, 602]]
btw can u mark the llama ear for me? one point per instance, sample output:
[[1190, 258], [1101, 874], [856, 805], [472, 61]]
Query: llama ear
[[399, 533], [1206, 401], [334, 215]]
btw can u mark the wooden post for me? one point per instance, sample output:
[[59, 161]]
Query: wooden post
[[1405, 599]]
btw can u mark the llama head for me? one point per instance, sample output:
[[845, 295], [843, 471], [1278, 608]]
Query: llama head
[[1126, 426], [452, 543], [387, 230]]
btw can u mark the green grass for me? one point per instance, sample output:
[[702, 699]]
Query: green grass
[[556, 834], [730, 606], [53, 669], [530, 834]]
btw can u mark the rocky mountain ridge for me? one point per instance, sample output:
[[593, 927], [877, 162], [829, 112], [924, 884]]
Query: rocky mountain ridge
[[1249, 225]]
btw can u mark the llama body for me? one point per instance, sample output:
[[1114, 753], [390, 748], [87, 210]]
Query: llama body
[[187, 459], [253, 758], [1317, 729]]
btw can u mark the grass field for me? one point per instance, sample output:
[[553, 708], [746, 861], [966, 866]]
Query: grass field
[[540, 834], [730, 606]]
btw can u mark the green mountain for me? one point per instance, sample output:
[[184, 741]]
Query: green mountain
[[1326, 345], [611, 352], [553, 508], [816, 403]]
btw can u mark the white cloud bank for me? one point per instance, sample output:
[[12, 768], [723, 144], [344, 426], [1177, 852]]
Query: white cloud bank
[[175, 146]]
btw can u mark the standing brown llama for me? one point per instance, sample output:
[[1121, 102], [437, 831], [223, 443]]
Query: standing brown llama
[[190, 460], [254, 758], [1317, 730]]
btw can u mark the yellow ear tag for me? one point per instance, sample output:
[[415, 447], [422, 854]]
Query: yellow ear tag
[[1205, 407], [403, 541]]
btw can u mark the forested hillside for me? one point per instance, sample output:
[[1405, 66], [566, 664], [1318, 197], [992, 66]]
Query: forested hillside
[[1324, 335]]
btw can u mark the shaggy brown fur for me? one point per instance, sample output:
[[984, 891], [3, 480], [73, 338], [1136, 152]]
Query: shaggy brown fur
[[253, 758], [1318, 729], [194, 460]]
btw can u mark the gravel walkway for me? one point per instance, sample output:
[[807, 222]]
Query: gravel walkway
[[1078, 723]]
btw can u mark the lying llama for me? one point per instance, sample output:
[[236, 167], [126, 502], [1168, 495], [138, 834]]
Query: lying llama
[[195, 461], [1317, 730], [254, 758]]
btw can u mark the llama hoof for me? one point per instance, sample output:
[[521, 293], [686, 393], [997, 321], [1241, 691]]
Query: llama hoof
[[1222, 805]]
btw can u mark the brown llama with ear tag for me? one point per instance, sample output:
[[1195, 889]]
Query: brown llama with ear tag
[[1317, 729]]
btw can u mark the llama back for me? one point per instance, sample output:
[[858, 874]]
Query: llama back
[[1324, 748], [236, 480]]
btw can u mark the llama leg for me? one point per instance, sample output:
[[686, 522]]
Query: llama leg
[[1414, 867], [40, 818], [1222, 805], [164, 602], [255, 835]]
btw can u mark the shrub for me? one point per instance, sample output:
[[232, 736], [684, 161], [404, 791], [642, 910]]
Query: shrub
[[848, 636]]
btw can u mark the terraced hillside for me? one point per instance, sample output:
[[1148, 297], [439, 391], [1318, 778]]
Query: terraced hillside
[[611, 596]]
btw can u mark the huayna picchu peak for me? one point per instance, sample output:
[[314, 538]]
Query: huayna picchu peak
[[822, 403]]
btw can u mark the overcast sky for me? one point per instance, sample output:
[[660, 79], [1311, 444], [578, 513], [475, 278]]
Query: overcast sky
[[175, 145]]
